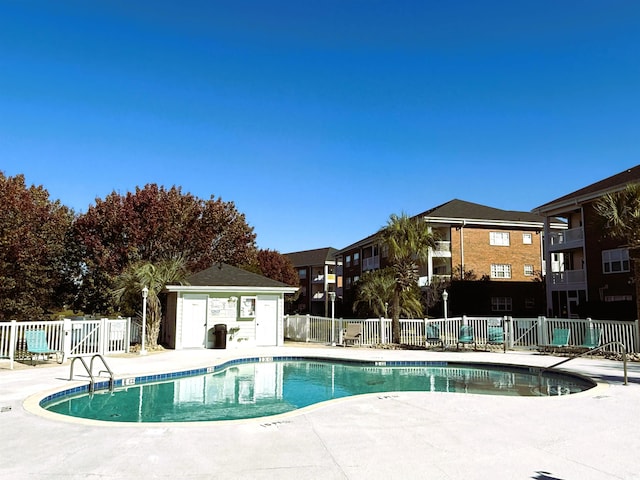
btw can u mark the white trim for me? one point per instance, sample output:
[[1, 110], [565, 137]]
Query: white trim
[[479, 222], [229, 289]]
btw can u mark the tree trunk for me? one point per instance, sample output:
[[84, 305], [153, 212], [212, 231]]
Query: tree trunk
[[153, 322], [395, 318]]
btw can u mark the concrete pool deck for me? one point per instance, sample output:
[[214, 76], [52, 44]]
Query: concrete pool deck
[[592, 435]]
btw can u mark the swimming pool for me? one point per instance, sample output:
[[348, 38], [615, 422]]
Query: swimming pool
[[260, 387]]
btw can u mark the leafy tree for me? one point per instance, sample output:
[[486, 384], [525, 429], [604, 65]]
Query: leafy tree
[[274, 265], [620, 212], [408, 241], [154, 276], [152, 224], [374, 296], [33, 261]]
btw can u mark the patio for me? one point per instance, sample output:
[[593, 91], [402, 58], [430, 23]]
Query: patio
[[401, 435]]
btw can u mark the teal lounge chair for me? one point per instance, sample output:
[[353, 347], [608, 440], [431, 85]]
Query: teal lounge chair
[[466, 337], [559, 339], [37, 345], [495, 336], [592, 338], [432, 335]]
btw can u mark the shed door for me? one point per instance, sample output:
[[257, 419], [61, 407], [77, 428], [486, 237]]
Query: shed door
[[194, 321], [266, 320]]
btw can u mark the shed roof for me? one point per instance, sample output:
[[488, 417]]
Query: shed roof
[[223, 275]]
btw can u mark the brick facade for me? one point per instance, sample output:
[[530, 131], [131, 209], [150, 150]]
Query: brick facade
[[479, 254]]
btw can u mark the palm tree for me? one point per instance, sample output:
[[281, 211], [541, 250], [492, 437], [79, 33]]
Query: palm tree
[[154, 276], [374, 294], [408, 241], [621, 214]]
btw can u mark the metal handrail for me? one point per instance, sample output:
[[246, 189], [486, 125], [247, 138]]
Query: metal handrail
[[89, 370], [624, 358]]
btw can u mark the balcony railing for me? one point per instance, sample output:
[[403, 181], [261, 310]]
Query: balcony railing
[[443, 249], [370, 263], [572, 238], [568, 277]]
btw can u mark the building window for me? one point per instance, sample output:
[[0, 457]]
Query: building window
[[529, 303], [615, 261], [528, 271], [499, 270], [347, 261], [499, 238], [302, 273], [527, 238], [385, 250], [356, 259], [348, 285], [501, 304], [356, 278]]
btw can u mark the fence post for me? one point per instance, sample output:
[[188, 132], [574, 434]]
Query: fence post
[[542, 331], [104, 336], [127, 336], [340, 331], [383, 335], [307, 326], [12, 342], [508, 333], [66, 337]]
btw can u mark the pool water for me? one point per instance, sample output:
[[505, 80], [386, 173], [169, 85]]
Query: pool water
[[259, 389]]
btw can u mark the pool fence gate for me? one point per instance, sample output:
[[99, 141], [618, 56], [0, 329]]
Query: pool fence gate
[[519, 333], [73, 337]]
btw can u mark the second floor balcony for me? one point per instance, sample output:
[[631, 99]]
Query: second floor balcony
[[370, 263], [566, 240], [443, 249], [568, 278]]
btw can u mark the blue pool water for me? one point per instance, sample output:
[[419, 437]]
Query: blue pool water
[[257, 389]]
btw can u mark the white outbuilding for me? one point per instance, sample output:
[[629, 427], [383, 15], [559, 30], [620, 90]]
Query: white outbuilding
[[225, 307]]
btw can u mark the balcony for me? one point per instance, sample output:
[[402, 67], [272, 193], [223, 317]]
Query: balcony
[[576, 279], [371, 263], [443, 249], [566, 240], [331, 278], [318, 296]]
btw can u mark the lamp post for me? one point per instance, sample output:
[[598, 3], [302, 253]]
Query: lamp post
[[145, 293], [332, 297], [445, 296]]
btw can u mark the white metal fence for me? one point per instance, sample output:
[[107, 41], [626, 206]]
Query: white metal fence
[[75, 338], [526, 333]]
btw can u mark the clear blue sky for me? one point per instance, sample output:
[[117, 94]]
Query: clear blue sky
[[320, 119]]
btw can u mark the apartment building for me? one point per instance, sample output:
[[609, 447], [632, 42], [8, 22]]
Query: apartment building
[[320, 280], [479, 250], [590, 274]]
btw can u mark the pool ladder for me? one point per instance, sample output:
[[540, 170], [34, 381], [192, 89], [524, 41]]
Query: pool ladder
[[89, 369]]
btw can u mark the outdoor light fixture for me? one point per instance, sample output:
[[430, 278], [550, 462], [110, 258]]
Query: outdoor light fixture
[[145, 294], [445, 296], [332, 297]]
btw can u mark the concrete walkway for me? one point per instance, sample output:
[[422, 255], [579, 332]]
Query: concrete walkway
[[592, 435]]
